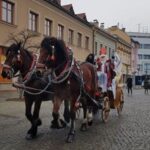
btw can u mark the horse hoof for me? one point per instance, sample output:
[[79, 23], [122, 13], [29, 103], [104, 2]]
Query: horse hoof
[[39, 122], [83, 127], [30, 136], [63, 123], [58, 124], [70, 137], [90, 123], [67, 120]]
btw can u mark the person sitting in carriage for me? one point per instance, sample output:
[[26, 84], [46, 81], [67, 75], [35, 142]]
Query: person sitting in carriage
[[105, 71]]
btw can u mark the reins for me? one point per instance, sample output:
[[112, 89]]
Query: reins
[[26, 88], [62, 77]]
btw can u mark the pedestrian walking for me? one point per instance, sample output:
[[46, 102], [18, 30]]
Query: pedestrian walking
[[129, 85], [146, 85]]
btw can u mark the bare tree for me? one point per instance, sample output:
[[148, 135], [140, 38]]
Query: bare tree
[[24, 37]]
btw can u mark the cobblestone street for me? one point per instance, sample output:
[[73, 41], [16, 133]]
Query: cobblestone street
[[130, 131]]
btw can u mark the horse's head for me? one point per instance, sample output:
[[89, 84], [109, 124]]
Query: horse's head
[[17, 59], [13, 61], [90, 58], [52, 53]]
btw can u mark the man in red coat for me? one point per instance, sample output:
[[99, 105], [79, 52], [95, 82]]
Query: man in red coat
[[105, 69]]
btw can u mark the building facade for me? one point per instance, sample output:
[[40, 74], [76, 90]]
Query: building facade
[[46, 18], [143, 60], [123, 48], [103, 39]]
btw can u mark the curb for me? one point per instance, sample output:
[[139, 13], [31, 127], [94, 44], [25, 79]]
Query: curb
[[8, 90]]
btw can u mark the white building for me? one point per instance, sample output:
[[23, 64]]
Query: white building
[[143, 52]]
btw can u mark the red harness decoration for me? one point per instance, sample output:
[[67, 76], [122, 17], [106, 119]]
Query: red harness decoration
[[31, 67]]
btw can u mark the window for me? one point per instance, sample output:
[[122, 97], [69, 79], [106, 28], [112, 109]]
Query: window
[[7, 11], [146, 46], [141, 46], [146, 67], [48, 27], [140, 56], [70, 36], [101, 45], [79, 40], [140, 67], [87, 42], [60, 32], [146, 56], [33, 21]]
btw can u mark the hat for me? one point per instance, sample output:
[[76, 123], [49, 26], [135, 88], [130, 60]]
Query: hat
[[103, 52]]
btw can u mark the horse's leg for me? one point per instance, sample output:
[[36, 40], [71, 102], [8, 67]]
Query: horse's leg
[[66, 111], [71, 133], [36, 120], [90, 116], [84, 123], [128, 90], [57, 122], [28, 107]]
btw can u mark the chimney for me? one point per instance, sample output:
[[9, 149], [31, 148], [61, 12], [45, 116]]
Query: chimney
[[96, 23], [102, 25], [123, 29]]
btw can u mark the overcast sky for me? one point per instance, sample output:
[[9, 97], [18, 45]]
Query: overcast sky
[[134, 15]]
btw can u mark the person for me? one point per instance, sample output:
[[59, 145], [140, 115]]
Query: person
[[146, 85], [105, 70], [129, 85]]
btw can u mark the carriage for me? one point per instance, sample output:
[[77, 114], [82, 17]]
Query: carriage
[[111, 98]]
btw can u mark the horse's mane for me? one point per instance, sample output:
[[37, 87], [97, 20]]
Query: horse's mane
[[15, 47], [28, 53], [60, 47]]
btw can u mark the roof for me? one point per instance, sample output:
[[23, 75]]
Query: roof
[[69, 10], [82, 16], [55, 1], [138, 34]]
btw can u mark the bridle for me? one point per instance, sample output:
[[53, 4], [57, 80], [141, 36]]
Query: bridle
[[57, 79], [49, 58], [31, 69], [11, 68]]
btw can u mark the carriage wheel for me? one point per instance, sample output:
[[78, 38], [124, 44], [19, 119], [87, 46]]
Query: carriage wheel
[[105, 109], [120, 108]]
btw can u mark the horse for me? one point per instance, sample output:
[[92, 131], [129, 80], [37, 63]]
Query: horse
[[72, 81], [20, 59]]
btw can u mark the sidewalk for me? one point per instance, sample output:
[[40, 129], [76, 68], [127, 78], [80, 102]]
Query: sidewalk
[[5, 87], [7, 92]]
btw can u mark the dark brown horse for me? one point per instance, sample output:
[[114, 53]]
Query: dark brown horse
[[19, 59], [77, 83]]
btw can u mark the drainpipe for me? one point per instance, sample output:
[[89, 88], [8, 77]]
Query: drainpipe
[[93, 46]]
